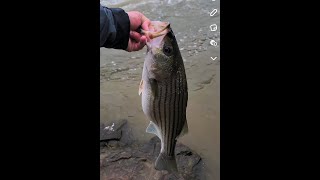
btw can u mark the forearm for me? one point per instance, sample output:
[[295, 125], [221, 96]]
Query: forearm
[[114, 28]]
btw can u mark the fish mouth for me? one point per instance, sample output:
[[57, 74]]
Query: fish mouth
[[161, 28], [158, 30]]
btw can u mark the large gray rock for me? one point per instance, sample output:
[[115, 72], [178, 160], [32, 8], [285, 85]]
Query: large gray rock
[[112, 131], [136, 162], [123, 158]]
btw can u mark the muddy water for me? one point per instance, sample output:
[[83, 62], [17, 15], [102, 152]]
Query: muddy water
[[120, 75]]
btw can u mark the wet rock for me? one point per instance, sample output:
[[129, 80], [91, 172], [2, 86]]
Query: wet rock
[[102, 144], [113, 144], [136, 162], [126, 136], [112, 131]]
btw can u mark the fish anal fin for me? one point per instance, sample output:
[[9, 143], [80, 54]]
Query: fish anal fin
[[153, 129]]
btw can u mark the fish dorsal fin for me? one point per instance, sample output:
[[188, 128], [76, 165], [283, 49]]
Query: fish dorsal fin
[[153, 129], [140, 87], [184, 130]]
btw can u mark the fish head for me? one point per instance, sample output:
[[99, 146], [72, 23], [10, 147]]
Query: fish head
[[162, 51]]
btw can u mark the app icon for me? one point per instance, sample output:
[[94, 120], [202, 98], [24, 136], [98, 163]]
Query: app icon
[[213, 27], [214, 11], [213, 43], [214, 58]]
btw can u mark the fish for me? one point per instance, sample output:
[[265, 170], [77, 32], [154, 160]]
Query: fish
[[164, 92]]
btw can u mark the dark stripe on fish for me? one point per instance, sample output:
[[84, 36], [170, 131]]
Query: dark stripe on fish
[[176, 118], [173, 114], [181, 120], [159, 107], [185, 98], [165, 109], [170, 120], [155, 108], [165, 117]]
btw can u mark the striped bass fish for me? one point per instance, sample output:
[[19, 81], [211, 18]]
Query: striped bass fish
[[164, 92]]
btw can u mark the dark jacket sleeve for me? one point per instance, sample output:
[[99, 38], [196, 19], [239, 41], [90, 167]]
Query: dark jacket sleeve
[[114, 28]]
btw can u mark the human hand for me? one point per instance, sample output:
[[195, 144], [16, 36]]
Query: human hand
[[136, 40]]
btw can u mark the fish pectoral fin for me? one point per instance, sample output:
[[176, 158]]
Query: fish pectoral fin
[[184, 130], [141, 87], [153, 129]]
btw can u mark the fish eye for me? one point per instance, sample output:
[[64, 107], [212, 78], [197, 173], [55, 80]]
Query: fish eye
[[167, 50]]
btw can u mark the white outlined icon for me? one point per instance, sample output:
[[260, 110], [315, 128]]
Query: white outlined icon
[[213, 43], [213, 27], [213, 58], [214, 11]]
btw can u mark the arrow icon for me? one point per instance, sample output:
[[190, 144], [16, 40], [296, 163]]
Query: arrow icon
[[213, 58]]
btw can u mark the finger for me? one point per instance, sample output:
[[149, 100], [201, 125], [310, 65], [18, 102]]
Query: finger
[[130, 45], [145, 23], [135, 36], [136, 46], [147, 38], [151, 28], [143, 40], [135, 19]]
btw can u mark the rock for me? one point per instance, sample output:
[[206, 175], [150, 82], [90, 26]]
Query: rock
[[124, 158], [102, 144], [126, 136], [136, 162], [112, 131], [113, 144]]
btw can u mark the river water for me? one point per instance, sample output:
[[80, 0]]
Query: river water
[[120, 75]]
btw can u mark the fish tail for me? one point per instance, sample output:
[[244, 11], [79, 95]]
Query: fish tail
[[165, 162]]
